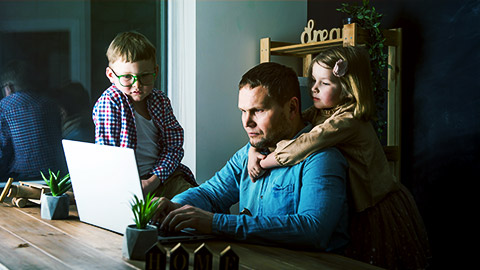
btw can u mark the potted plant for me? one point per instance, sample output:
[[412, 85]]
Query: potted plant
[[55, 204], [369, 19], [141, 236]]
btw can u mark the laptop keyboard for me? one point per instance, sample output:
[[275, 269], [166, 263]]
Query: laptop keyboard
[[164, 233]]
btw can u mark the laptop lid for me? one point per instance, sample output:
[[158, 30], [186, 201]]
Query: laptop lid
[[104, 180]]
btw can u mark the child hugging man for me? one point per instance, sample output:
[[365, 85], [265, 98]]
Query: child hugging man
[[132, 113]]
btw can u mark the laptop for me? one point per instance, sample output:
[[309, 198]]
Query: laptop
[[104, 181]]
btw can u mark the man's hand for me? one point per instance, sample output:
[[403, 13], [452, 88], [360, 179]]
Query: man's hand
[[175, 217], [164, 208], [255, 171]]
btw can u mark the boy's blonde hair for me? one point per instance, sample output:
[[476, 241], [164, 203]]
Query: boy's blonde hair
[[356, 84], [131, 47]]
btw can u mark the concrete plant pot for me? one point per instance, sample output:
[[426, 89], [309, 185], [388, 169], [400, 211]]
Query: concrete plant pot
[[54, 207], [136, 242]]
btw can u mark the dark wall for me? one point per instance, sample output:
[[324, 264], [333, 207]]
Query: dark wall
[[108, 18], [440, 110], [49, 56]]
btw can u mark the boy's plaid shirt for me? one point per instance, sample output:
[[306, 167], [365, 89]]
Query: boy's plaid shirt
[[113, 115]]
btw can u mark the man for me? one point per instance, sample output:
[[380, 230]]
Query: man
[[299, 206], [30, 126]]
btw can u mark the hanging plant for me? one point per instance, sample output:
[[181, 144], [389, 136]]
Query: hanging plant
[[369, 19]]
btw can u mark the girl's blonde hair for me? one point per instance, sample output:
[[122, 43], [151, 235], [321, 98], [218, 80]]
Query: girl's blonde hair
[[357, 82], [131, 47]]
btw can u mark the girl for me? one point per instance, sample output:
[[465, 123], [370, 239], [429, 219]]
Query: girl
[[386, 227]]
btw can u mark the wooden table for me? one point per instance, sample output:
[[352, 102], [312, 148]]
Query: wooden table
[[30, 242]]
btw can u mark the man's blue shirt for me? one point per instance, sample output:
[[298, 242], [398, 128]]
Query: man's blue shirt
[[298, 206]]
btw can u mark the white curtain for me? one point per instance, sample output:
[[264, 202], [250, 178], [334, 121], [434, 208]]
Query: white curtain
[[182, 71]]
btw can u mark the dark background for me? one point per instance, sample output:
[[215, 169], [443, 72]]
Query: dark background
[[108, 18], [440, 110]]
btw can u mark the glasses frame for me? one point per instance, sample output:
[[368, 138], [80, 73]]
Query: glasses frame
[[135, 78]]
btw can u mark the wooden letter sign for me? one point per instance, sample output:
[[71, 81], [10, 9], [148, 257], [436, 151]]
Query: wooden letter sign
[[202, 258], [156, 258], [178, 258], [318, 35], [229, 260]]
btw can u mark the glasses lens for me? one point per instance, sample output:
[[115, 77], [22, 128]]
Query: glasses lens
[[146, 79], [127, 80]]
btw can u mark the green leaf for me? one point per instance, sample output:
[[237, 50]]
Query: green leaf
[[369, 19], [57, 186], [143, 211]]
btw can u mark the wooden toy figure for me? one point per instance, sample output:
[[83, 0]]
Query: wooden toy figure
[[24, 193], [6, 189], [229, 260], [203, 258], [179, 258], [156, 258]]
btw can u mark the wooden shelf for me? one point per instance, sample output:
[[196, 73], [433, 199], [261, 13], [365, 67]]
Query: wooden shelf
[[352, 35], [304, 49]]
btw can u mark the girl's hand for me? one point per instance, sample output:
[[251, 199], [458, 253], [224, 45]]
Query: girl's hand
[[255, 171], [269, 162]]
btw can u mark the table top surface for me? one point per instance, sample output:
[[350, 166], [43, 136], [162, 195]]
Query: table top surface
[[30, 242]]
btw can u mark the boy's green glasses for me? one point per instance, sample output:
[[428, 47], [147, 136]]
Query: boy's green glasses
[[128, 80]]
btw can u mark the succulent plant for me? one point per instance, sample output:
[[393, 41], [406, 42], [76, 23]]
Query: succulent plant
[[143, 211], [57, 185]]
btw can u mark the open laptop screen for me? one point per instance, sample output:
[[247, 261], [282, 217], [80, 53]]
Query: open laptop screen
[[104, 180]]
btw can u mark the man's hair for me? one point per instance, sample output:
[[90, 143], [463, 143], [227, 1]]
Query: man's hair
[[280, 81], [357, 81], [19, 75], [131, 47]]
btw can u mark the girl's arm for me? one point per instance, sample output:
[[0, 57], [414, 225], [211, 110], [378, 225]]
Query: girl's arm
[[334, 130], [269, 162]]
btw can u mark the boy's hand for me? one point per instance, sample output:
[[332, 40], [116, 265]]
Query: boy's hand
[[255, 171], [150, 184]]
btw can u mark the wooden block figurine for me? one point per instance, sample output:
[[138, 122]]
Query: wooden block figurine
[[25, 193], [6, 189], [156, 258], [229, 260], [19, 202], [202, 258], [179, 258]]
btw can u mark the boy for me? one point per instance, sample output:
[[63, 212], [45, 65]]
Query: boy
[[132, 113]]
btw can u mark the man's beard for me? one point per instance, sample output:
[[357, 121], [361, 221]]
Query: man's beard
[[263, 144], [282, 132]]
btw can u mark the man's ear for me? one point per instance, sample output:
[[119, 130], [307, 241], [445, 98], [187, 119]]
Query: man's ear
[[294, 107], [8, 90]]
